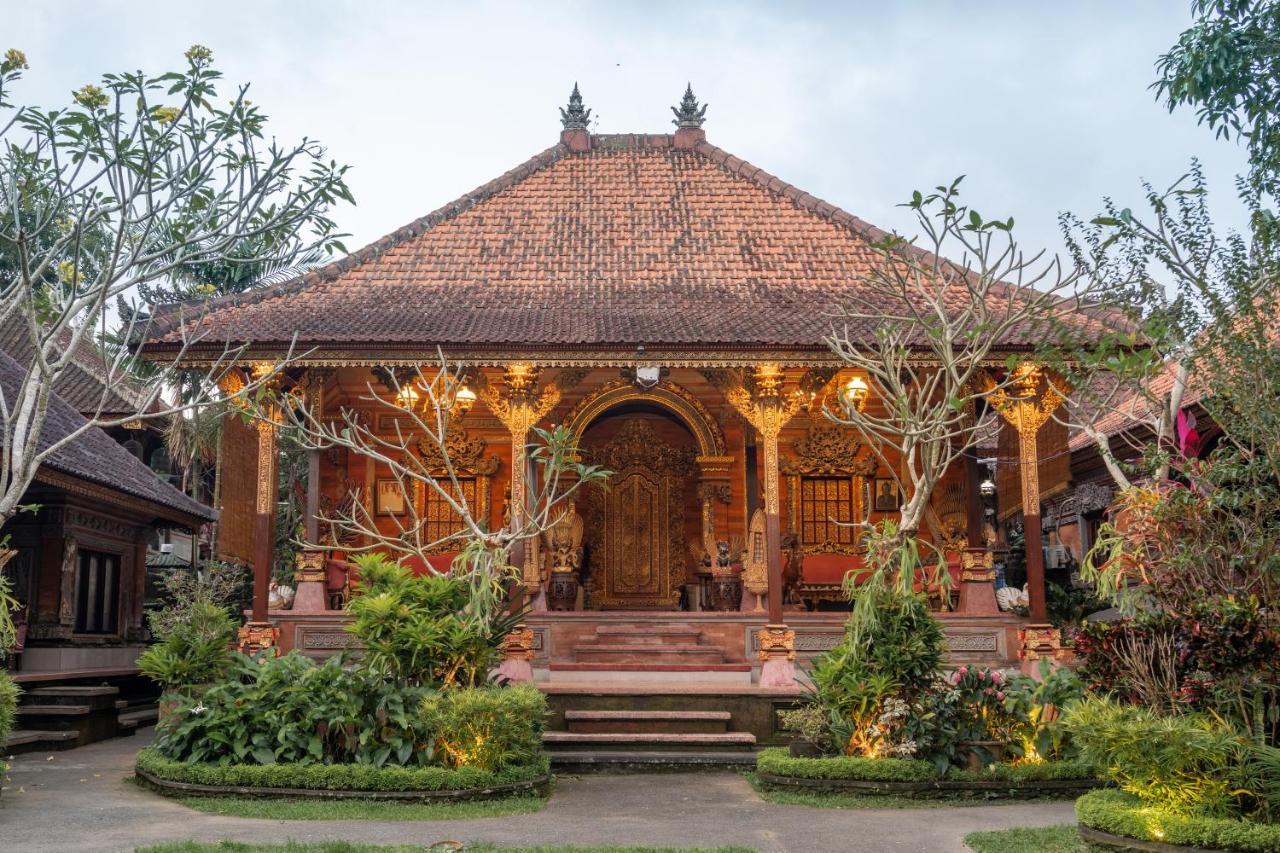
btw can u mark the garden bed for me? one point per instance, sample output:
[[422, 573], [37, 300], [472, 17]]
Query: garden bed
[[1120, 820], [911, 777], [337, 781]]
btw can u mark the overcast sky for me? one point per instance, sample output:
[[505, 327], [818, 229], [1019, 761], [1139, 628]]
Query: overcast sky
[[1045, 107]]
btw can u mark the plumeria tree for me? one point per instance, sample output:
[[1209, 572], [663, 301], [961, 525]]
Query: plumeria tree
[[417, 453], [141, 180], [930, 334]]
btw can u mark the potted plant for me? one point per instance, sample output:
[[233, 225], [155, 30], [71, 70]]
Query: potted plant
[[985, 724], [193, 653], [811, 726]]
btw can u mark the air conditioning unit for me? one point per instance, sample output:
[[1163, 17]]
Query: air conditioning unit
[[1055, 556], [166, 547]]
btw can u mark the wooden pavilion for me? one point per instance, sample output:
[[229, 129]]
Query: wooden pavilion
[[668, 303]]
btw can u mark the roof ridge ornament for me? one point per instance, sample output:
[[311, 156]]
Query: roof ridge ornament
[[688, 114], [575, 117]]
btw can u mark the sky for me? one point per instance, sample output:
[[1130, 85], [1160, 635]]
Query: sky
[[1044, 107]]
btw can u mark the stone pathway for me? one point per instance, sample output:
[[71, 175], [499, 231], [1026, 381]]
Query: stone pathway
[[79, 800]]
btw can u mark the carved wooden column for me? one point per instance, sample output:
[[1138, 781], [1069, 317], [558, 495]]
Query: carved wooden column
[[520, 405], [309, 578], [1027, 403], [258, 633], [764, 406]]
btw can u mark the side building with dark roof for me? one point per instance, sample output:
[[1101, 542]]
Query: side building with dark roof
[[79, 567]]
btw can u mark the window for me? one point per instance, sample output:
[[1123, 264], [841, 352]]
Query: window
[[825, 503], [97, 593], [438, 518]]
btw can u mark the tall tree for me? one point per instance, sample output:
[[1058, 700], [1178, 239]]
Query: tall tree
[[136, 183]]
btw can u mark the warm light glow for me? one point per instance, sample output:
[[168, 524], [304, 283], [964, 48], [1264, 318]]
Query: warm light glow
[[464, 399], [987, 488], [407, 396], [856, 393]]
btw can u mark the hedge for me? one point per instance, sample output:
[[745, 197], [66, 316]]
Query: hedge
[[779, 762], [338, 777], [1123, 814]]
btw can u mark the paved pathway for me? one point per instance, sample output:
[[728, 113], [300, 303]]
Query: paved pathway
[[79, 800]]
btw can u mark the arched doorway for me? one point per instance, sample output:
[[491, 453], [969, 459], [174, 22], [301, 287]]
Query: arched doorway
[[640, 525]]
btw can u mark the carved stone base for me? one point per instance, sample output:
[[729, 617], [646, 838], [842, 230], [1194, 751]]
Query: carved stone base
[[778, 651], [562, 591], [310, 567], [726, 593], [517, 671], [1038, 643], [258, 636], [311, 597]]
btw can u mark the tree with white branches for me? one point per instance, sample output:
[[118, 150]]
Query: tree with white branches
[[139, 181]]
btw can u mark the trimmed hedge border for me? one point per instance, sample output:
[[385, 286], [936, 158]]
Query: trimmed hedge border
[[777, 768], [337, 781], [1118, 819]]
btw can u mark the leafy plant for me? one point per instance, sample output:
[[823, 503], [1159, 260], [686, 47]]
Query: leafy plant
[[981, 699], [8, 705], [194, 651], [1038, 705], [1189, 764], [486, 727], [220, 584], [423, 630]]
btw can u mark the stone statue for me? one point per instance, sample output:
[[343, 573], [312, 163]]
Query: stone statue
[[564, 541], [724, 561]]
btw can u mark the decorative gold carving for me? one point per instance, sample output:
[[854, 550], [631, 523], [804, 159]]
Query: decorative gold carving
[[310, 567], [1040, 641], [828, 450], [668, 395], [564, 540], [518, 645], [266, 478], [636, 522], [755, 559], [776, 641], [977, 565], [257, 637], [1027, 402], [466, 453], [761, 403]]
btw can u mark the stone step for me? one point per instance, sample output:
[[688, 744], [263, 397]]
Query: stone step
[[677, 722], [33, 740], [617, 652], [649, 741], [96, 698], [140, 715], [649, 761], [649, 634], [597, 674], [54, 710]]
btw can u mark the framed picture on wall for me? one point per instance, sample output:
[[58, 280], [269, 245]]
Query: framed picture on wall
[[388, 498], [886, 495]]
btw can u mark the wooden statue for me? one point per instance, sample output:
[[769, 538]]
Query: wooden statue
[[564, 553]]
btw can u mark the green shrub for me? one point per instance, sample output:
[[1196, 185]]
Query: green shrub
[[1120, 813], [1038, 706], [781, 763], [195, 651], [290, 710], [338, 777], [8, 705], [1189, 764], [486, 727], [419, 629]]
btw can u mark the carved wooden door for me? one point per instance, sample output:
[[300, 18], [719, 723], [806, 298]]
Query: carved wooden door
[[635, 525]]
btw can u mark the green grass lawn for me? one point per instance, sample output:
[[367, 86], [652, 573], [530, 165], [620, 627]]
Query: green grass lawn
[[829, 800], [348, 847], [1043, 839], [284, 809]]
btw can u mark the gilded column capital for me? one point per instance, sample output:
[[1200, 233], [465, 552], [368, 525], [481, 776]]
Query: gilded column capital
[[776, 642]]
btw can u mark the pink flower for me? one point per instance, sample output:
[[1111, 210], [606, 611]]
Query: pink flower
[[988, 691], [997, 677], [964, 670], [1000, 695]]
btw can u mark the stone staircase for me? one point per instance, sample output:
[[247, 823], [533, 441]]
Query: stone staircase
[[63, 717], [640, 652], [648, 740]]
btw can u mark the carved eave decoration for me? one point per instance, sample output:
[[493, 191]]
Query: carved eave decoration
[[828, 450], [467, 453]]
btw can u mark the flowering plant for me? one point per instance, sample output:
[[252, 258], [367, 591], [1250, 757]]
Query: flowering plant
[[981, 698]]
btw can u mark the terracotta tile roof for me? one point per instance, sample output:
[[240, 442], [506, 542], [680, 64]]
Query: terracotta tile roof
[[636, 241], [96, 458]]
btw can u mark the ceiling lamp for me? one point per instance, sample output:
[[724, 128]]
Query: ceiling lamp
[[464, 399], [856, 393]]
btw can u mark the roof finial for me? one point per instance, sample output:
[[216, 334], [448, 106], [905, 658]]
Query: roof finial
[[575, 117], [688, 114]]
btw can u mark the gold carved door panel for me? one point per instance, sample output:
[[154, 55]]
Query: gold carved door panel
[[635, 524]]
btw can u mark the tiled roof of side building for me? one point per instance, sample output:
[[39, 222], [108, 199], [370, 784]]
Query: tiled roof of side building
[[95, 457], [637, 241]]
